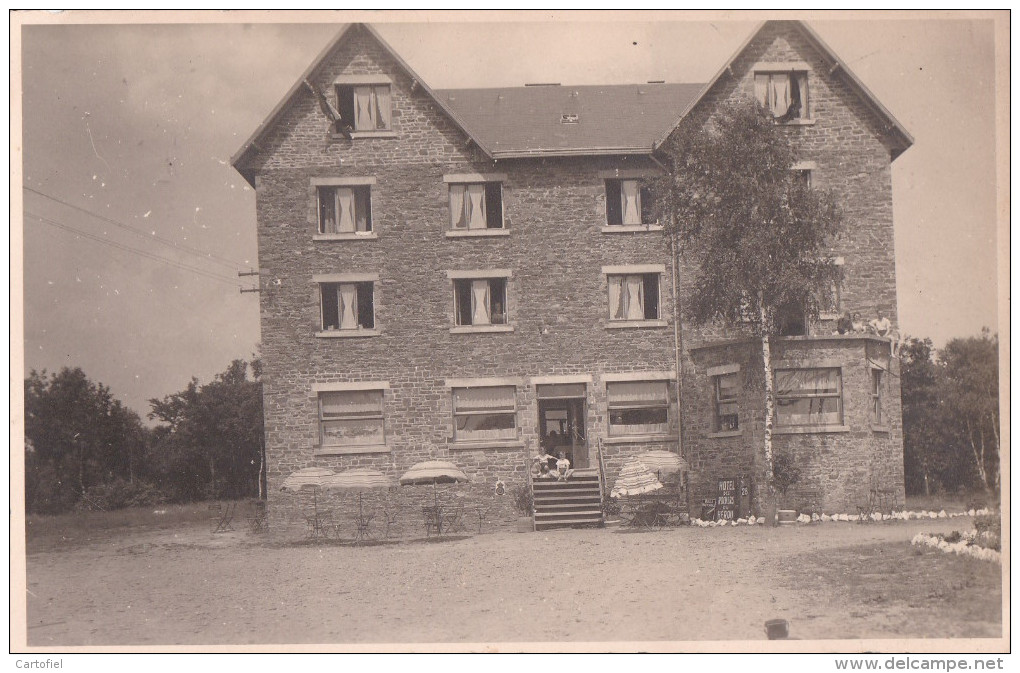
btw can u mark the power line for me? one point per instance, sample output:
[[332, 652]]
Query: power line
[[136, 251], [223, 261]]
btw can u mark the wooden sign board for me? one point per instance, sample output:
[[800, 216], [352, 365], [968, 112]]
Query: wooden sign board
[[726, 501]]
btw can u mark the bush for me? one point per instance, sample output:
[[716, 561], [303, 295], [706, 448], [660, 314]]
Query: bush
[[119, 494], [523, 500], [990, 526], [610, 507]]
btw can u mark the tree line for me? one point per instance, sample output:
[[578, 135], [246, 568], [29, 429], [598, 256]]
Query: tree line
[[951, 414], [86, 450]]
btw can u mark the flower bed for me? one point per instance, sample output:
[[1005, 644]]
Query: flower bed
[[874, 516], [971, 543]]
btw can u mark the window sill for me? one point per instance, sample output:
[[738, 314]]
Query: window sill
[[811, 429], [635, 439], [481, 329], [626, 324], [630, 228], [367, 236], [365, 134], [881, 428], [347, 333], [725, 433], [498, 444], [348, 450], [470, 233]]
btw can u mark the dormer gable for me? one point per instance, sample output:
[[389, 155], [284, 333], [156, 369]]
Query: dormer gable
[[777, 64], [356, 102]]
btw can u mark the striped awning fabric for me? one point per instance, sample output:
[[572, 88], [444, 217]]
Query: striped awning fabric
[[635, 478], [362, 479], [306, 478], [662, 462], [433, 472]]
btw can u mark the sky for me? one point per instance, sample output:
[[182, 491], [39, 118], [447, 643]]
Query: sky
[[135, 225]]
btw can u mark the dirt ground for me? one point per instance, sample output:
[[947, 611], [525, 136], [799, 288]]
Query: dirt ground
[[831, 581]]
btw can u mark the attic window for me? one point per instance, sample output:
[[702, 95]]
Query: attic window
[[364, 107], [570, 118], [783, 93]]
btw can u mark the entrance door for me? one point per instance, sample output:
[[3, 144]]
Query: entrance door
[[561, 422]]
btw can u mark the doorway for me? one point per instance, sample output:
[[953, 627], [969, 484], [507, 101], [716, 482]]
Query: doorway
[[561, 422]]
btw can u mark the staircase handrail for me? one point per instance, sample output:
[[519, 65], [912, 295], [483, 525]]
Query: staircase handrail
[[602, 470], [531, 489]]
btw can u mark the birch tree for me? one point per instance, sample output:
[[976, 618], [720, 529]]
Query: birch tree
[[753, 238]]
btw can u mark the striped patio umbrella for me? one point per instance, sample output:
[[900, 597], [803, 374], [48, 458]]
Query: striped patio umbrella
[[309, 477], [635, 478], [662, 463], [433, 472], [357, 481]]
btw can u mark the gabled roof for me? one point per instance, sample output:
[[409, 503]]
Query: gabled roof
[[553, 120], [252, 142], [893, 126]]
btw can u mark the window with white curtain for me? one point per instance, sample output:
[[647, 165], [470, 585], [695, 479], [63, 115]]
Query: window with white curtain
[[345, 209], [351, 418], [365, 107], [480, 301], [638, 407], [347, 306], [809, 397], [628, 203], [634, 297], [485, 413], [784, 94], [476, 205]]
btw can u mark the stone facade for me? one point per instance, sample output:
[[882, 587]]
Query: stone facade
[[553, 253]]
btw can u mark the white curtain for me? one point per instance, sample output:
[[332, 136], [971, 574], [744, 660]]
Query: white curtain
[[640, 393], [345, 209], [364, 108], [807, 381], [480, 302], [348, 308], [351, 403], [635, 298], [382, 95], [617, 299], [457, 220], [630, 197], [484, 399], [476, 203], [779, 94]]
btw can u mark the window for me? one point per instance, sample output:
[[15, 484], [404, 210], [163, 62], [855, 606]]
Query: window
[[809, 397], [476, 206], [365, 107], [792, 319], [480, 301], [876, 397], [628, 203], [345, 209], [802, 177], [784, 94], [727, 416], [634, 297], [485, 413], [351, 418], [638, 408], [347, 306]]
